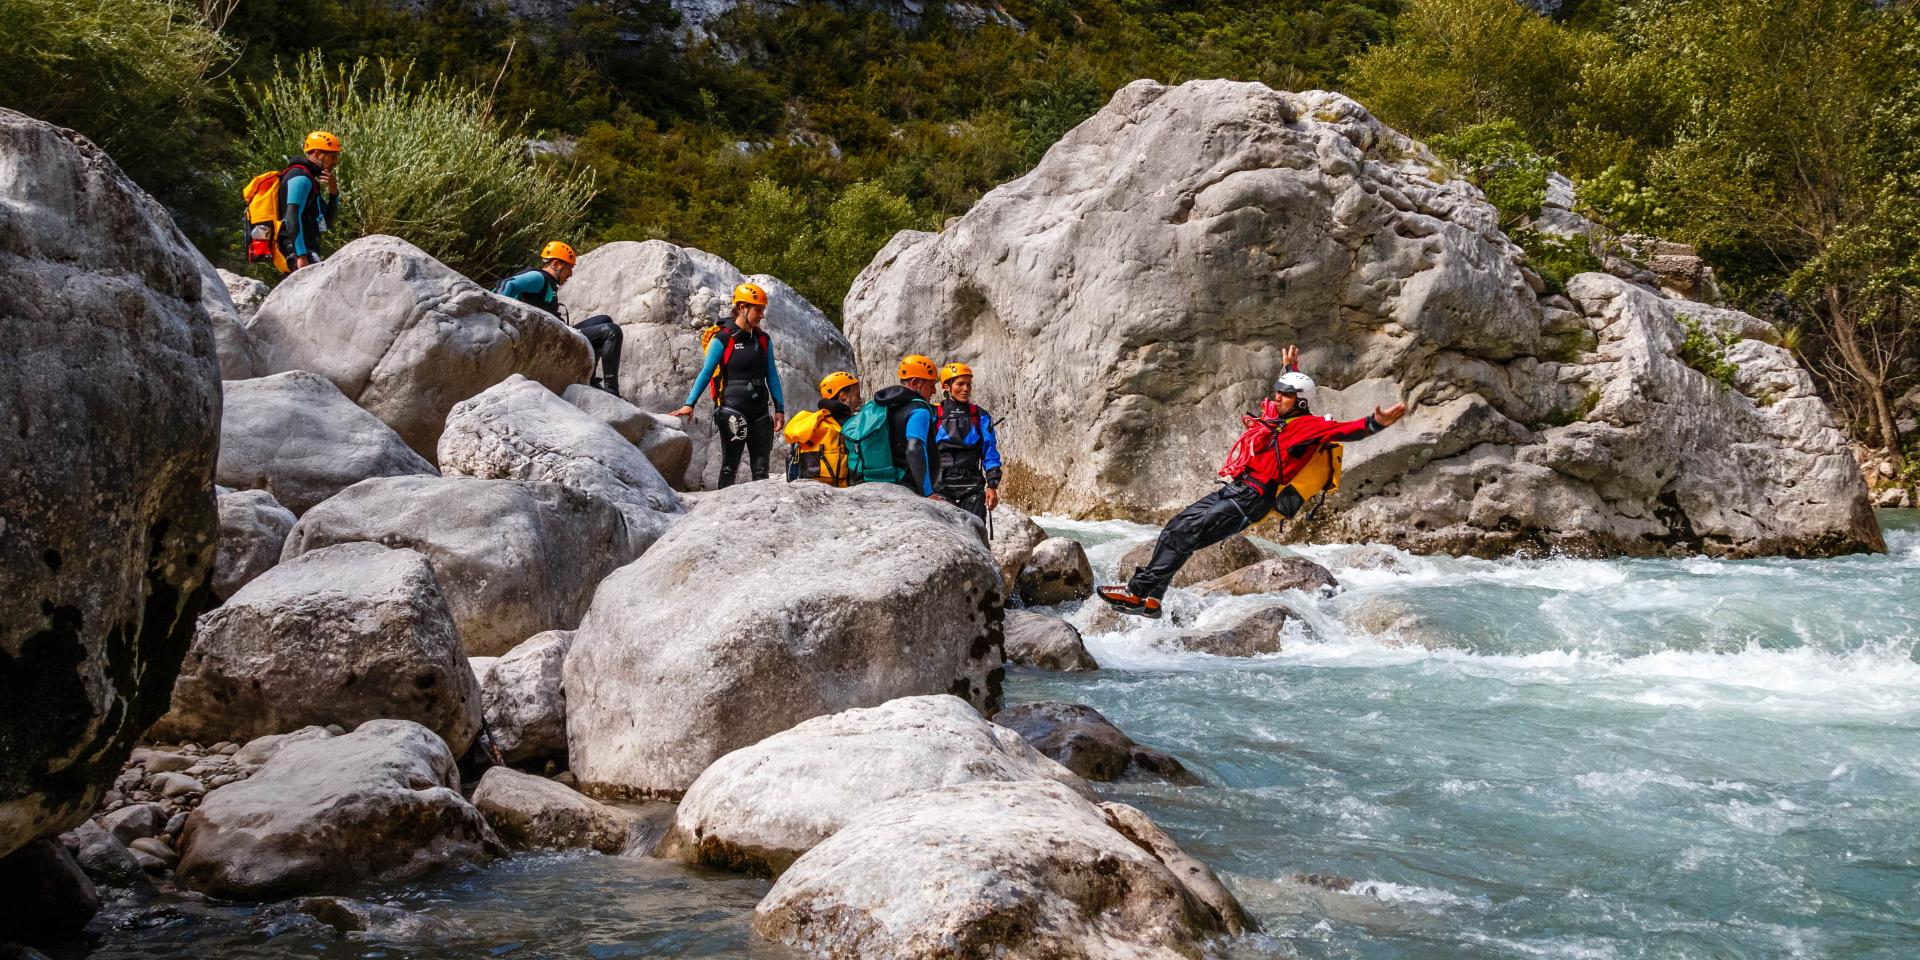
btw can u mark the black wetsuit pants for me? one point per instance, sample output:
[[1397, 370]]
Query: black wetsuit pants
[[757, 444], [605, 337], [1211, 519], [971, 497]]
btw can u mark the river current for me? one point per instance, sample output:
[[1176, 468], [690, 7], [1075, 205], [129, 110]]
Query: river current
[[1450, 759]]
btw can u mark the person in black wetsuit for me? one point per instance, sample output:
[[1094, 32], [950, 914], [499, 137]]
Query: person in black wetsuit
[[540, 287], [745, 380], [966, 459]]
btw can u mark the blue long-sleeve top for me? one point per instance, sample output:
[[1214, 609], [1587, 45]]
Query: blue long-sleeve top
[[302, 191], [920, 427], [534, 288], [718, 348]]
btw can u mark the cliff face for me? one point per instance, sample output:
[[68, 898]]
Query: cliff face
[[1125, 300]]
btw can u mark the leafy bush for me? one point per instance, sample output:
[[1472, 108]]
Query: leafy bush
[[424, 161], [1496, 157], [777, 235], [1703, 350], [129, 74], [1556, 258]]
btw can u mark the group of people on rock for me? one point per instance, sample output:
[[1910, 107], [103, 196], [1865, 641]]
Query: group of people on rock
[[946, 450]]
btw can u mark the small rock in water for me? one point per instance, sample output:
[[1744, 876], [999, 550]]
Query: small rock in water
[[371, 921], [1056, 572], [533, 812], [1084, 741], [1272, 576], [1048, 643], [105, 859], [1257, 633]]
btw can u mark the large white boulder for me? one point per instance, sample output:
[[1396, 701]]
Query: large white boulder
[[405, 337], [110, 405], [1129, 297], [520, 430], [663, 296], [760, 807], [230, 337], [253, 530], [513, 557], [296, 436], [342, 635], [1024, 868], [379, 805], [772, 603]]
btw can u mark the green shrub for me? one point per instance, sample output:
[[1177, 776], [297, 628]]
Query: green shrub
[[129, 74], [1496, 157], [424, 161], [1703, 350], [1570, 415], [1556, 258]]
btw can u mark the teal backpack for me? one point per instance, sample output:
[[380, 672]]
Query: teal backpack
[[869, 446]]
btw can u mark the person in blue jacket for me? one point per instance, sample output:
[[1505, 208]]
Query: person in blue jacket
[[745, 381], [309, 199], [540, 288], [966, 454]]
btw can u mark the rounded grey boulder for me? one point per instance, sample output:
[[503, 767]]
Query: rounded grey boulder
[[1019, 869], [759, 808], [513, 557], [253, 529], [379, 805], [406, 338], [344, 635], [740, 623], [296, 436]]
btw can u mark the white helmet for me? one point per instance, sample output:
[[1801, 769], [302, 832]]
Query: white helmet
[[1296, 383]]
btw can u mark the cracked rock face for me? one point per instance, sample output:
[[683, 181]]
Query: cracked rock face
[[1126, 300], [110, 405]]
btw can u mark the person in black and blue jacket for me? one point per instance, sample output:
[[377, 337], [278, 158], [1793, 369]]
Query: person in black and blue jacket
[[540, 288], [745, 381], [966, 460]]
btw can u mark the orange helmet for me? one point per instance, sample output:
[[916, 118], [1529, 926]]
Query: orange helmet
[[321, 140], [917, 367], [557, 251], [954, 370], [750, 293], [835, 382]]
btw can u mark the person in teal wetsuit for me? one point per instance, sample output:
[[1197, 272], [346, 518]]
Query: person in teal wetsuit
[[540, 287]]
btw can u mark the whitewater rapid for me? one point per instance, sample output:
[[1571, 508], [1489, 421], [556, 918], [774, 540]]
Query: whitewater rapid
[[1448, 759]]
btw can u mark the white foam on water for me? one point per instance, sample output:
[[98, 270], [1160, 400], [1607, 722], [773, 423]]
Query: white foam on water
[[1414, 894]]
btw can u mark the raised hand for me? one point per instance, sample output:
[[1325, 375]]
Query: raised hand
[[1390, 415], [1290, 357]]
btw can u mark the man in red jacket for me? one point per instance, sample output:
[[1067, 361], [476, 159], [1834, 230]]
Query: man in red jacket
[[1249, 494]]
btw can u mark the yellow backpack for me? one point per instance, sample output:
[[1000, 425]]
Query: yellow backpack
[[1319, 477], [818, 452], [262, 195]]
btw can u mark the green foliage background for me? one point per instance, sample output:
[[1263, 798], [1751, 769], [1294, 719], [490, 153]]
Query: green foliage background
[[1781, 137]]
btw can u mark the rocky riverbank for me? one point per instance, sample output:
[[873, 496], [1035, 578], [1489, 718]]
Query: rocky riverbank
[[444, 606]]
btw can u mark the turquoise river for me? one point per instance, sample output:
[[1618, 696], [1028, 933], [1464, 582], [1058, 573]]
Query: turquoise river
[[1573, 759]]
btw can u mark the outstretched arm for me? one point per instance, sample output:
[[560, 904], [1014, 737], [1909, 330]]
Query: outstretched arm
[[714, 350]]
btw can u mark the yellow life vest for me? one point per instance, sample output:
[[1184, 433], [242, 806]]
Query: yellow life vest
[[818, 446]]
